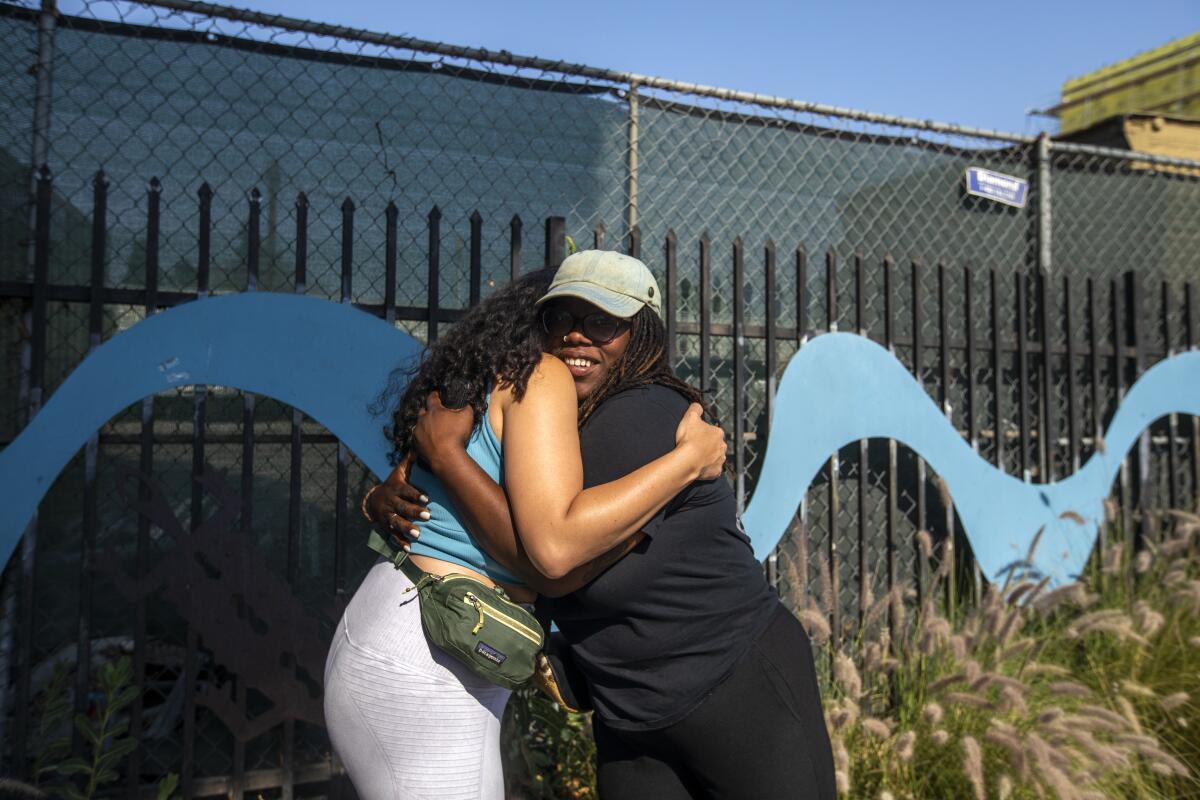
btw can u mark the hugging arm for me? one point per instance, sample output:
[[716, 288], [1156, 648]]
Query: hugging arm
[[483, 509], [562, 526]]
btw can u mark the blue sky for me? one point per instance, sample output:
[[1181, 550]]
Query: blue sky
[[974, 63]]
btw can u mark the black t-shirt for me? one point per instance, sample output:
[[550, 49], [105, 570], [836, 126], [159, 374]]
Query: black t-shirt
[[664, 626]]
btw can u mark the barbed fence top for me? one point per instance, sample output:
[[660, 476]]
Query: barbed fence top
[[618, 81]]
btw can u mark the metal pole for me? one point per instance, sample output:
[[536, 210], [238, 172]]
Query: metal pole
[[1044, 220], [632, 215]]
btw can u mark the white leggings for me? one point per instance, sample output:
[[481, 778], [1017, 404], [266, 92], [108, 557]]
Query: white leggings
[[406, 719]]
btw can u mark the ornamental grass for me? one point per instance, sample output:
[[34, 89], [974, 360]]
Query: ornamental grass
[[1083, 691], [1088, 690]]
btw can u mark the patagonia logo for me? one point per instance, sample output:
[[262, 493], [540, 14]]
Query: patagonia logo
[[490, 653]]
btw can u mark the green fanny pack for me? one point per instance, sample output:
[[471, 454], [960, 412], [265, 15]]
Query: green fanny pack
[[498, 639]]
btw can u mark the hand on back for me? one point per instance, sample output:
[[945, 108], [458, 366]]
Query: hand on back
[[397, 506], [706, 442], [441, 430]]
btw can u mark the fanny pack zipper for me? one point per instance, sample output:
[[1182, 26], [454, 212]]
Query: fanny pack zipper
[[470, 599]]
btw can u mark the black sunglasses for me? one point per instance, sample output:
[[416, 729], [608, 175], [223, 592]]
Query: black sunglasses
[[599, 327]]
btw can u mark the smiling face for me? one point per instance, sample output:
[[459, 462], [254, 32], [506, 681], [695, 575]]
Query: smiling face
[[588, 361]]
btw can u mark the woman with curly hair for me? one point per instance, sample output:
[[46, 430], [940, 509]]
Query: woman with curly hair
[[407, 719], [702, 682]]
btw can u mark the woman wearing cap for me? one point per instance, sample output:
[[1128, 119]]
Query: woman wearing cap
[[703, 684], [407, 719]]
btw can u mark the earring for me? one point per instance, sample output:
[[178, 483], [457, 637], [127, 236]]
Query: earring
[[564, 340]]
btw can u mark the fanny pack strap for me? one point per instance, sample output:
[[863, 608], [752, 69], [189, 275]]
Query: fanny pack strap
[[400, 560]]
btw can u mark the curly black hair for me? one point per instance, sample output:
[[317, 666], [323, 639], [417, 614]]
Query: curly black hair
[[502, 339], [498, 339]]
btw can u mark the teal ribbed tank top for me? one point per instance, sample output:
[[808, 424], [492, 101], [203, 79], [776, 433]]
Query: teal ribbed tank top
[[442, 535]]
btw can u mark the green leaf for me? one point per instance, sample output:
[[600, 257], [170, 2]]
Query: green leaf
[[119, 749], [105, 775], [87, 729], [54, 750], [73, 766], [124, 698], [116, 729], [167, 785], [69, 792]]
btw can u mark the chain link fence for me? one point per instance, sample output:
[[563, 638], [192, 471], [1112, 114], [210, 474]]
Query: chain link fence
[[1015, 319]]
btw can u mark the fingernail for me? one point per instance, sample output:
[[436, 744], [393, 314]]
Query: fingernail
[[413, 532], [424, 515], [407, 549], [424, 499]]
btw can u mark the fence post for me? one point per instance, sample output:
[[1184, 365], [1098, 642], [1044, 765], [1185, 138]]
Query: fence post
[[865, 579], [15, 590], [146, 470], [341, 487], [476, 259], [391, 216], [1189, 339], [434, 221], [801, 326], [739, 374], [671, 298], [831, 325], [91, 498], [33, 357], [635, 241], [556, 241], [296, 451], [705, 314], [1044, 197], [514, 247], [631, 219], [770, 367], [1143, 492], [889, 341]]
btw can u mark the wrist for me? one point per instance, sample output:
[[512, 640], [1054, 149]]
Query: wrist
[[443, 455], [364, 506], [690, 462]]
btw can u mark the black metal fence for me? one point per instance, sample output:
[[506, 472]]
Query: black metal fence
[[212, 534], [427, 168]]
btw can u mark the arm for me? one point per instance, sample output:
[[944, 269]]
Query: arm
[[563, 526], [484, 511], [398, 507]]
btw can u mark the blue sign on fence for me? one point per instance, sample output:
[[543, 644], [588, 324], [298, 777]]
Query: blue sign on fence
[[997, 186]]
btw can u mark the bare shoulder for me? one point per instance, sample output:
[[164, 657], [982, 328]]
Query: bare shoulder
[[551, 373], [550, 383]]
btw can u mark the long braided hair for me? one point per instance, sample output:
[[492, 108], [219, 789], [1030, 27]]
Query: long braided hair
[[644, 363], [501, 339]]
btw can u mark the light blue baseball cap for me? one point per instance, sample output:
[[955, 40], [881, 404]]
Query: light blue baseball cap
[[611, 281]]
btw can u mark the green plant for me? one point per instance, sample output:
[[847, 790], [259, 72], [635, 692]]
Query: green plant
[[50, 745], [167, 786], [105, 736], [550, 753], [1085, 691]]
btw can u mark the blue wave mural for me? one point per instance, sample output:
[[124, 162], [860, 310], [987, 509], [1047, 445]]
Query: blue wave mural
[[327, 359], [332, 361], [840, 388]]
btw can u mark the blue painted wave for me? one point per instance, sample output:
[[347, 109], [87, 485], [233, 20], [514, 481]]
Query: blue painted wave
[[331, 361], [840, 388], [327, 359]]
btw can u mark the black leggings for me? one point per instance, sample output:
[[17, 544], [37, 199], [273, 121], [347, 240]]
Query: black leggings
[[760, 735]]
